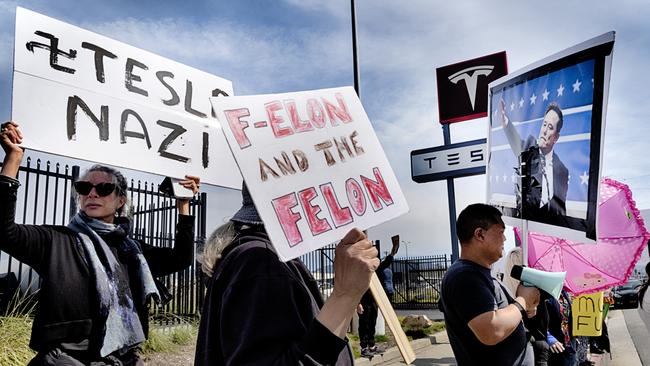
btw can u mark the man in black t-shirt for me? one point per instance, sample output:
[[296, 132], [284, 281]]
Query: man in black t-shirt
[[483, 321]]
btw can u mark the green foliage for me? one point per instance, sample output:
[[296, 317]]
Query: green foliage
[[417, 333], [169, 339], [14, 340], [16, 329], [381, 338]]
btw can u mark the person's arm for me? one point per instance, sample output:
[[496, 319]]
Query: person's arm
[[514, 139], [190, 182], [27, 243], [494, 326], [164, 261], [354, 263], [10, 139]]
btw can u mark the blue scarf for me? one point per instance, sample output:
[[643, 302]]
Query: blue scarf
[[122, 328]]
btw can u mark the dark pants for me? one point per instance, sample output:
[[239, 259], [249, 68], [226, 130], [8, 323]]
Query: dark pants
[[541, 351], [57, 357], [367, 322], [566, 358]]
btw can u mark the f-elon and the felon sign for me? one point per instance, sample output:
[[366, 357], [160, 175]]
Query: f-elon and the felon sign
[[462, 95], [312, 163]]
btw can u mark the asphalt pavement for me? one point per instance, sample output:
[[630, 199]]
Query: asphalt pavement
[[625, 351]]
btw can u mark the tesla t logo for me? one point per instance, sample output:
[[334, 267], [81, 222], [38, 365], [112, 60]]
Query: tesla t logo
[[470, 75]]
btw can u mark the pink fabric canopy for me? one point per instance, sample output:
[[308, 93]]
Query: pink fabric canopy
[[622, 237]]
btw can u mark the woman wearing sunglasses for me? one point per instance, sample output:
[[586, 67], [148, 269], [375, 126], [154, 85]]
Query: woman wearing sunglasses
[[96, 281]]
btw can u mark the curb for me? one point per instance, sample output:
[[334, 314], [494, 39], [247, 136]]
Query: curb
[[393, 354]]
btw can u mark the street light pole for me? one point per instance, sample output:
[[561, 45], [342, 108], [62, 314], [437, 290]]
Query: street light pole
[[406, 245]]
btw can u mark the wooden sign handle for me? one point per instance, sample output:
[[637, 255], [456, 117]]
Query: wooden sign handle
[[389, 315]]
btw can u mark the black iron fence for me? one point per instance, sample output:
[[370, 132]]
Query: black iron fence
[[45, 197], [416, 279], [321, 264]]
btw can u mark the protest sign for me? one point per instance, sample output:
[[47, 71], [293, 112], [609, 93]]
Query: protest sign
[[545, 140], [587, 313], [312, 163], [79, 94]]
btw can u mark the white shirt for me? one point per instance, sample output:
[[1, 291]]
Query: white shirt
[[547, 179]]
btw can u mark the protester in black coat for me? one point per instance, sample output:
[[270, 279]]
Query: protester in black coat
[[259, 310], [96, 281]]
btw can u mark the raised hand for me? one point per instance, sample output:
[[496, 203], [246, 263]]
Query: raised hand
[[10, 139], [190, 182], [502, 113]]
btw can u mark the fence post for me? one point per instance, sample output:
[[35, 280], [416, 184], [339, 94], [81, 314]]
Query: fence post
[[203, 213], [73, 201]]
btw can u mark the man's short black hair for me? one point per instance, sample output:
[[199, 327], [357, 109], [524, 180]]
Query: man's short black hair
[[477, 215], [556, 108]]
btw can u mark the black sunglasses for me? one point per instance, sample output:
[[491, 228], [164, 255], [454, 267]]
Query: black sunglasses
[[102, 189]]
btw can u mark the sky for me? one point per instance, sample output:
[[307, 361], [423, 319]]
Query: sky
[[292, 45]]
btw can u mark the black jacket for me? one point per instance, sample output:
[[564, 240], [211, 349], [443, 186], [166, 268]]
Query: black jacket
[[67, 310], [261, 311]]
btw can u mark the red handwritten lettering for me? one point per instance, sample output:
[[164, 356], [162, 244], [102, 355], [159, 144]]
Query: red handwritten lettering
[[337, 113], [316, 113], [355, 196], [316, 224], [377, 189], [298, 124], [237, 126], [275, 120], [340, 215], [288, 219]]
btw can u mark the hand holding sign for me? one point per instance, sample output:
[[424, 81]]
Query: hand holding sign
[[191, 183], [355, 262], [10, 139]]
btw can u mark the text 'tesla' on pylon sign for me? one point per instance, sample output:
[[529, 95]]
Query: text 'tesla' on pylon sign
[[313, 165], [79, 94], [449, 161]]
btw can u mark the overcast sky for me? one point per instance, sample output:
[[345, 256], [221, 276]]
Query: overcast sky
[[292, 45]]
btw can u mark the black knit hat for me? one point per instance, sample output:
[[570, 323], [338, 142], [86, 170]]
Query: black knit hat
[[247, 214]]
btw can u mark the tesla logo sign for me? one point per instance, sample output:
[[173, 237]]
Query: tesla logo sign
[[470, 76], [463, 87]]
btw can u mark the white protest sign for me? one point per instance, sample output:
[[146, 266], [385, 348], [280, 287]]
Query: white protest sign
[[312, 163], [79, 94]]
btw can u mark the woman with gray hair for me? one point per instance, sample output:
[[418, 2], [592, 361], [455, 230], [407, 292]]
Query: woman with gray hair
[[259, 310], [97, 282]]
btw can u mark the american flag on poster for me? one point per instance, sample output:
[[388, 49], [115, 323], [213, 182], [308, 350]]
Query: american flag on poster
[[572, 88]]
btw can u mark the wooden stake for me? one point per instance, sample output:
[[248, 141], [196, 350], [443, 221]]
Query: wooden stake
[[389, 315]]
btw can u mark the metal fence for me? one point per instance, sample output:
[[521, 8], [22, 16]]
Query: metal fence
[[45, 197], [416, 279], [321, 264]]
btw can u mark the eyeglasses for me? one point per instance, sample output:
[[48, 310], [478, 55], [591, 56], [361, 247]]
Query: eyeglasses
[[102, 189]]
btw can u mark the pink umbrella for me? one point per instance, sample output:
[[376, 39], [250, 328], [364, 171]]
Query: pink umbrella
[[622, 237]]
